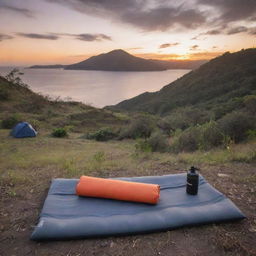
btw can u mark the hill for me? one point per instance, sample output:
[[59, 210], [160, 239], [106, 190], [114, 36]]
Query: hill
[[20, 103], [218, 85], [119, 60]]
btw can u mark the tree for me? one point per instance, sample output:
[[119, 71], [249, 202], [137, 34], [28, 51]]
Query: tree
[[14, 77]]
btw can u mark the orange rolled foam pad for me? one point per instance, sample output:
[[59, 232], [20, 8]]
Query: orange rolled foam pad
[[118, 190]]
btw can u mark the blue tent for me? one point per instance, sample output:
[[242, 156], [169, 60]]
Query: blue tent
[[22, 130]]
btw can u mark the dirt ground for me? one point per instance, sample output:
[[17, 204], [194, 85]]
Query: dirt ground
[[19, 214], [238, 238]]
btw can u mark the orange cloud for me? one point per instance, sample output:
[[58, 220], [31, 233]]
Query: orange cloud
[[158, 56], [205, 55], [25, 58]]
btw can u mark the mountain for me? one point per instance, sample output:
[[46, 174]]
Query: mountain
[[219, 84], [119, 60]]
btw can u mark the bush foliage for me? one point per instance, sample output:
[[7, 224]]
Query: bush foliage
[[250, 103], [158, 142], [183, 118], [203, 137], [59, 133], [10, 122], [236, 125], [140, 127], [142, 145], [103, 134], [4, 94]]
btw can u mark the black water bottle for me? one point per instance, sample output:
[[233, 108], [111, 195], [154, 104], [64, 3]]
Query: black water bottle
[[192, 181]]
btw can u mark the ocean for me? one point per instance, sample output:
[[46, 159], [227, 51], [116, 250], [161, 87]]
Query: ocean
[[97, 88]]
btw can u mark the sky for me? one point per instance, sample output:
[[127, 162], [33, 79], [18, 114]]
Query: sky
[[69, 31]]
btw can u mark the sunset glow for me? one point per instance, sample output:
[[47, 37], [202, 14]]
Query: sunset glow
[[68, 31]]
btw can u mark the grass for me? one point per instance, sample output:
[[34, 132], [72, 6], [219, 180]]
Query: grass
[[74, 156], [28, 165], [24, 160], [236, 153]]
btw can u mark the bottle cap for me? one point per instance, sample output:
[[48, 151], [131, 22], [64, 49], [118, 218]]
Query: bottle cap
[[193, 169]]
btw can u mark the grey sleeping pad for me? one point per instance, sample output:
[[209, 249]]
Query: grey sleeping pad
[[68, 216]]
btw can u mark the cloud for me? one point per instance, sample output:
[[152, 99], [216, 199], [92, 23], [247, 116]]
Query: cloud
[[23, 11], [237, 30], [252, 31], [164, 18], [56, 36], [197, 37], [194, 47], [232, 10], [168, 45], [144, 14], [91, 37], [155, 15], [204, 55], [133, 48], [84, 56], [39, 36], [224, 30], [5, 37], [158, 56], [213, 32], [100, 6]]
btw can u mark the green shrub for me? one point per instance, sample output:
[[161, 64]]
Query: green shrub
[[183, 118], [4, 95], [35, 124], [142, 145], [103, 134], [227, 106], [166, 126], [203, 137], [251, 134], [140, 127], [210, 135], [188, 140], [236, 125], [250, 103], [10, 122], [14, 77], [59, 133], [158, 142]]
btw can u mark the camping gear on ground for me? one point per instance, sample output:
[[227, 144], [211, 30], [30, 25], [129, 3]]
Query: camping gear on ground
[[23, 130], [118, 189], [192, 181], [68, 216]]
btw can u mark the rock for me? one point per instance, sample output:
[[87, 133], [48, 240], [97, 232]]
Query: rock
[[103, 244], [252, 229], [222, 175]]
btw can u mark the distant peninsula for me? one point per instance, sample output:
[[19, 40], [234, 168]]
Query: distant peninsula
[[120, 60], [49, 66]]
